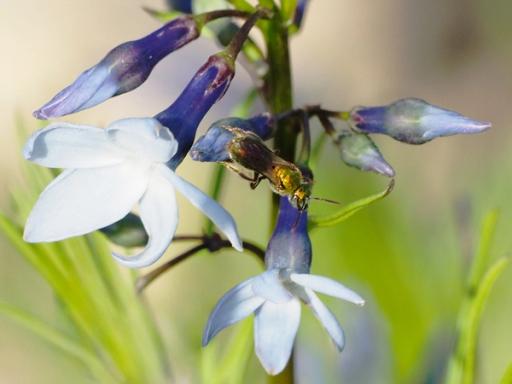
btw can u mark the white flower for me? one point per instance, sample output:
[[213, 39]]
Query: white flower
[[108, 171], [274, 297]]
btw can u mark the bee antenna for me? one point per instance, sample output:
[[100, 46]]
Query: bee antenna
[[326, 200]]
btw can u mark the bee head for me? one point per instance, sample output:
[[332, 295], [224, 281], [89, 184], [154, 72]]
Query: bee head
[[301, 196]]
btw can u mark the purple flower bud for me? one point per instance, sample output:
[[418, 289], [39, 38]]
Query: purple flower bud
[[300, 10], [290, 246], [212, 146], [360, 152], [123, 69], [413, 121], [206, 87]]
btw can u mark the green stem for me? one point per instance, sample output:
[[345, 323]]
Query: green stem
[[278, 93], [215, 191]]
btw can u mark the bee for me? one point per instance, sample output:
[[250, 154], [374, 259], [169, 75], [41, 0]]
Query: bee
[[285, 178]]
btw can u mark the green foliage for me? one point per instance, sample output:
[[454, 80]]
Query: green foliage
[[229, 367], [111, 331], [481, 279], [349, 210]]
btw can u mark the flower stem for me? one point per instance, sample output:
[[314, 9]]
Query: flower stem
[[235, 45], [278, 94]]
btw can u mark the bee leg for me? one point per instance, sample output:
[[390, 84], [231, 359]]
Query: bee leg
[[256, 180], [239, 172]]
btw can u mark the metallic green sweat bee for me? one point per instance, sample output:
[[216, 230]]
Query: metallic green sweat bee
[[285, 178]]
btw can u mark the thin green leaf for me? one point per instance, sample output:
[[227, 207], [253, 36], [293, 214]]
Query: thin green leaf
[[507, 377], [59, 340], [462, 364], [215, 191], [481, 261], [229, 367], [162, 16], [288, 9], [242, 5], [350, 209], [233, 365]]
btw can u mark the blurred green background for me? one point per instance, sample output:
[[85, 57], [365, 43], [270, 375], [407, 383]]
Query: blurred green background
[[407, 255]]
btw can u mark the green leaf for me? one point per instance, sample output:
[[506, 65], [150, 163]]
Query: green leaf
[[350, 209], [230, 368], [242, 5], [288, 9], [162, 16], [462, 364], [59, 340], [482, 256], [461, 368], [507, 377]]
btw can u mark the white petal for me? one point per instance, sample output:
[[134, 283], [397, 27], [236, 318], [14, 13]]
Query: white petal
[[326, 286], [275, 328], [63, 145], [326, 317], [144, 138], [159, 214], [269, 286], [235, 305], [215, 212], [80, 201]]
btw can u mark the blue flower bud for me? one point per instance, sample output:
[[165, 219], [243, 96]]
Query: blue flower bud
[[300, 10], [413, 121], [360, 152], [290, 246], [206, 87], [123, 69], [212, 146]]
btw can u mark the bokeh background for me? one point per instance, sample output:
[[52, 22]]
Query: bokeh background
[[407, 255]]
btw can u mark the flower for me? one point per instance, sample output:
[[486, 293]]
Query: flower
[[413, 121], [275, 295], [207, 87], [108, 171], [359, 151], [123, 69], [212, 146]]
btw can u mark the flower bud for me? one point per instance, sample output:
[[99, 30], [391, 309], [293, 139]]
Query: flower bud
[[300, 10], [212, 147], [413, 121], [290, 246], [360, 152], [206, 87], [123, 69]]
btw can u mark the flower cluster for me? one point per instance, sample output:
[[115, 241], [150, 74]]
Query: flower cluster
[[131, 164]]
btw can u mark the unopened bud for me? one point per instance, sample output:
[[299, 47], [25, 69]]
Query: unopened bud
[[413, 121], [359, 151], [123, 69]]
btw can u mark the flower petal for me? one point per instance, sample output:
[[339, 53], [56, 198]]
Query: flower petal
[[215, 212], [90, 88], [159, 214], [275, 328], [326, 286], [326, 317], [269, 286], [80, 201], [143, 137], [63, 145], [235, 305]]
